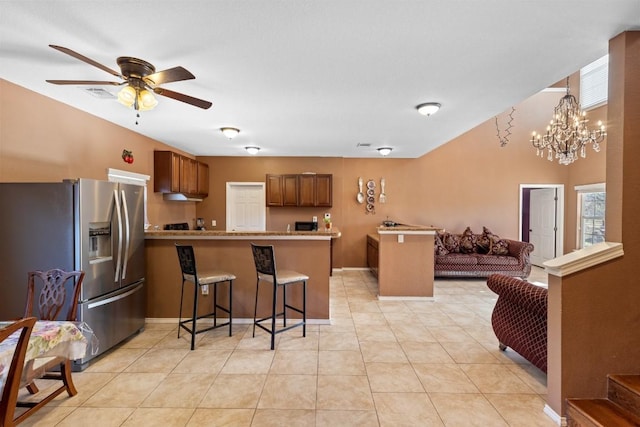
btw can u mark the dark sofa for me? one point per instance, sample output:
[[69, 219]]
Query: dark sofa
[[480, 255]]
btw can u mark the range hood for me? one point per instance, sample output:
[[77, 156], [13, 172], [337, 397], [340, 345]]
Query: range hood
[[181, 197]]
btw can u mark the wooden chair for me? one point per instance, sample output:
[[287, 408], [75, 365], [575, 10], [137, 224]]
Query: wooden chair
[[51, 301], [14, 372]]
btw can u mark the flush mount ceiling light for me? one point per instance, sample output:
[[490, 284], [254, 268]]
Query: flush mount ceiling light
[[384, 151], [252, 150], [230, 132], [428, 108]]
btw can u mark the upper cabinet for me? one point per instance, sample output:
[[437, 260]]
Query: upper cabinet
[[174, 173], [313, 190]]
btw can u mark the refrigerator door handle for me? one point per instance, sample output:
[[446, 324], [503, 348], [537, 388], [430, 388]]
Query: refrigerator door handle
[[119, 215], [127, 232], [114, 298]]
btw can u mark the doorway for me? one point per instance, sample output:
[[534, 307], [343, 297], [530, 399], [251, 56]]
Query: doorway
[[246, 208], [542, 220]]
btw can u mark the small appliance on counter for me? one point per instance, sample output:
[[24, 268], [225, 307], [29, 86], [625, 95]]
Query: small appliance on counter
[[200, 224], [177, 226], [306, 225]]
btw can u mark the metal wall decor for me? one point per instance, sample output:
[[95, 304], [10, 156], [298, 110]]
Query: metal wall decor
[[371, 196], [367, 195]]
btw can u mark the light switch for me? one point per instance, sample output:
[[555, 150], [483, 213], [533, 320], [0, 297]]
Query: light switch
[[400, 238]]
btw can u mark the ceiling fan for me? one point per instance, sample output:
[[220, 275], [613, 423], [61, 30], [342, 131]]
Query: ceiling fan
[[140, 78]]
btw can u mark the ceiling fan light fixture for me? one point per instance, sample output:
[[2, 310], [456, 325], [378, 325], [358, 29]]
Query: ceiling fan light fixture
[[142, 100], [127, 96], [230, 132], [384, 151], [428, 108], [252, 150], [146, 100]]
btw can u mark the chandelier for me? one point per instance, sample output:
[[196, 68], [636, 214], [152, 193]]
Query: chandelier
[[567, 133]]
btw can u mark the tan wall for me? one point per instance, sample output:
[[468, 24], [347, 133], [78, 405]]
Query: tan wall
[[471, 181], [45, 140]]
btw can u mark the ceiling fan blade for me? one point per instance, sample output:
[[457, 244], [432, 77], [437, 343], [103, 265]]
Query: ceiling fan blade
[[184, 98], [87, 60], [167, 76], [84, 82]]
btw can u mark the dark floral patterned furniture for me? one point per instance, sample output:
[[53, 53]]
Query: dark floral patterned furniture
[[519, 318], [480, 255]]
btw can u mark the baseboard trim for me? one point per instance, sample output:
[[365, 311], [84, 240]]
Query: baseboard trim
[[561, 421]]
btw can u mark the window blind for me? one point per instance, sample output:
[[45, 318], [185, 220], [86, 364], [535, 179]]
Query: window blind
[[594, 83]]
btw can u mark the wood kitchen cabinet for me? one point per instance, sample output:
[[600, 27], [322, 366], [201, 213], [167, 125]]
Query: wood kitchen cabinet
[[304, 190], [174, 173], [324, 190], [372, 254], [203, 178], [282, 190]]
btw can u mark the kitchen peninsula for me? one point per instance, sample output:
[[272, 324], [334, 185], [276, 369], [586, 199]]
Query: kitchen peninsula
[[307, 252], [404, 261]]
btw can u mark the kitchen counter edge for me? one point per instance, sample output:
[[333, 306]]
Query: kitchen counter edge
[[408, 229], [241, 235]]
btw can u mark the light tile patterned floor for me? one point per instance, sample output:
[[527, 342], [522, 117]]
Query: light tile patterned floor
[[380, 363]]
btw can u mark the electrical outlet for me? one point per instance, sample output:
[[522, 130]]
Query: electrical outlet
[[400, 238], [213, 222], [205, 289], [314, 219]]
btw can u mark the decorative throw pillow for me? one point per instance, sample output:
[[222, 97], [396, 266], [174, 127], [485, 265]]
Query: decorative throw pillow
[[483, 242], [451, 242], [497, 246], [467, 241], [439, 246]]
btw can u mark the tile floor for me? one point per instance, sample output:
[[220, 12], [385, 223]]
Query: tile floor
[[380, 363]]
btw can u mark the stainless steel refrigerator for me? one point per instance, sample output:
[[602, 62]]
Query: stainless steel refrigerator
[[89, 225]]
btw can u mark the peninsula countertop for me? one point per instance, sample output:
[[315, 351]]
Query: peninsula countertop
[[334, 233], [408, 229]]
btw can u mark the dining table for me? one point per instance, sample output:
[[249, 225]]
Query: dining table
[[49, 339]]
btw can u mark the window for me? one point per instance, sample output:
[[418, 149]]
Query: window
[[594, 83], [591, 211]]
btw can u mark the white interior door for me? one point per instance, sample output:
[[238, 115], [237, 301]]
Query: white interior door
[[246, 209], [542, 224]]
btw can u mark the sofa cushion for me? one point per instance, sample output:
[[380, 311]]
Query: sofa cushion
[[497, 246], [439, 248], [496, 260], [457, 259], [483, 243], [451, 242], [468, 242]]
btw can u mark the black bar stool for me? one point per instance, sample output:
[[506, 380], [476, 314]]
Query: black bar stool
[[188, 266], [265, 261]]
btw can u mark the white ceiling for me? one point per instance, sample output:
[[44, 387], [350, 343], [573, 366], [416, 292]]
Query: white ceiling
[[312, 77]]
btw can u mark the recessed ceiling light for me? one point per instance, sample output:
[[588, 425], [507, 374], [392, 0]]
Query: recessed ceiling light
[[428, 108], [252, 150], [384, 151], [230, 132]]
